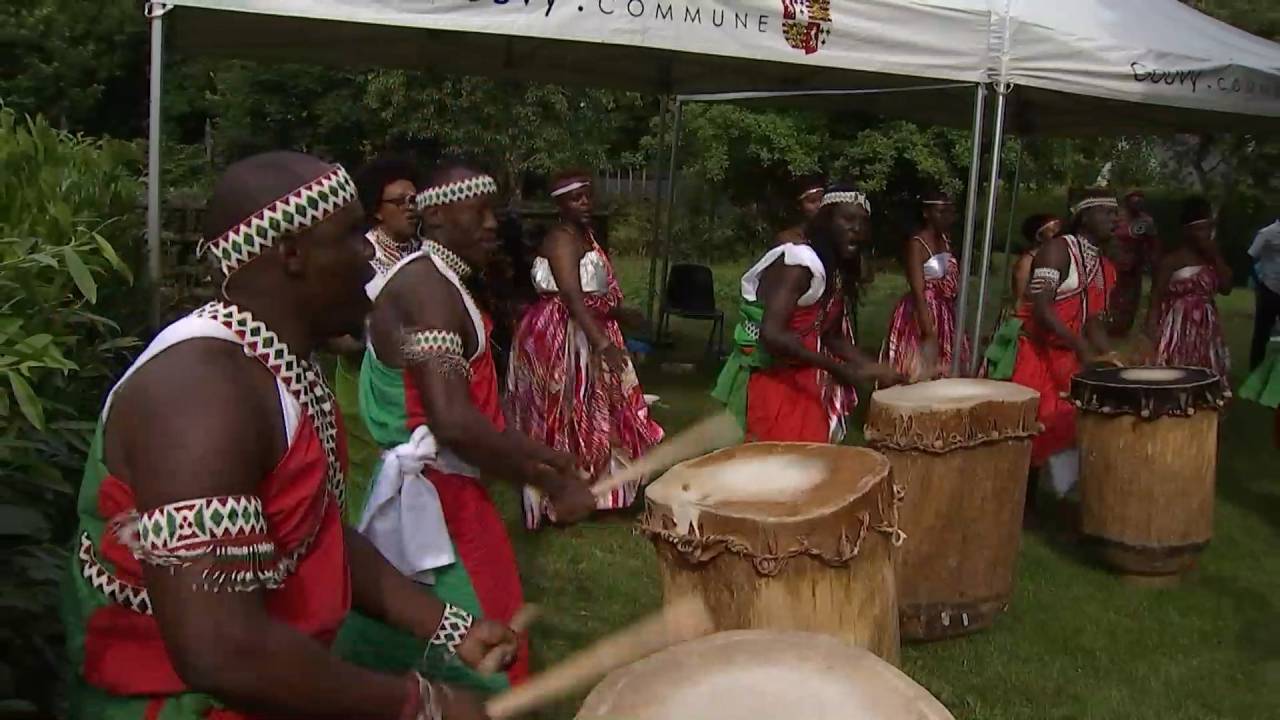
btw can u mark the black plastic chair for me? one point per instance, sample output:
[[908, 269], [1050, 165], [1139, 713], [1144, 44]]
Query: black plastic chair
[[691, 294]]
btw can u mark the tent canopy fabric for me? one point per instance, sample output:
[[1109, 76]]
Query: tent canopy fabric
[[659, 46]]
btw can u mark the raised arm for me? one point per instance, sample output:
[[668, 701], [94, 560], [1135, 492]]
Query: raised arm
[[218, 442]]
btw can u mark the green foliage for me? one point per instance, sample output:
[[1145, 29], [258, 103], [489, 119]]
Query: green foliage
[[68, 220], [518, 127]]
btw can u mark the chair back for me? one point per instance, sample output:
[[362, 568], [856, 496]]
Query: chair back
[[691, 289]]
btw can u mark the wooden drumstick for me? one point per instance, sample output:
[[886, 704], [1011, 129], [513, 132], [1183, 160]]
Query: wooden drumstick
[[710, 433], [520, 622], [679, 622]]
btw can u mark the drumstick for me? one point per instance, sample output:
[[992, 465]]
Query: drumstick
[[520, 622], [679, 622], [711, 433]]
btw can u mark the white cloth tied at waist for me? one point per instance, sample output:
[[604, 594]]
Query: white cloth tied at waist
[[403, 517]]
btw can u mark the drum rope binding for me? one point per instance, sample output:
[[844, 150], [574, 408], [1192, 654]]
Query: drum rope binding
[[701, 549]]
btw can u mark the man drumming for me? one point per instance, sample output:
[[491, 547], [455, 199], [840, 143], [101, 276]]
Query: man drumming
[[212, 569], [429, 395], [1070, 289]]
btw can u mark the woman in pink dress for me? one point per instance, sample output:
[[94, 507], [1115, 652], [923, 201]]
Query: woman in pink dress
[[922, 331], [1183, 321], [571, 384]]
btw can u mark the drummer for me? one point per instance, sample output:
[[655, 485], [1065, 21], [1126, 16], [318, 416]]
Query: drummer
[[790, 377], [1069, 291]]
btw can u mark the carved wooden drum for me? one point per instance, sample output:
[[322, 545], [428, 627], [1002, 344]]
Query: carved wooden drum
[[961, 451], [782, 536], [757, 675], [1148, 442]]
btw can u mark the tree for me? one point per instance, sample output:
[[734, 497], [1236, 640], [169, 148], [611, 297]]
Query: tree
[[521, 128]]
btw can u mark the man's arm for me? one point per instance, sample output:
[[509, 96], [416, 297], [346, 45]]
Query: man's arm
[[219, 441], [781, 287], [1048, 270], [428, 303], [381, 592]]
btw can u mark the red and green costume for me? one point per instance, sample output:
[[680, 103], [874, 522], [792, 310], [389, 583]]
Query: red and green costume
[[778, 401], [285, 540], [482, 577]]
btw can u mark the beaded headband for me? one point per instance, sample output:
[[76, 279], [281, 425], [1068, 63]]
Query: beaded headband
[[854, 198], [298, 210], [1046, 226], [1093, 203], [809, 192], [453, 192], [566, 189]]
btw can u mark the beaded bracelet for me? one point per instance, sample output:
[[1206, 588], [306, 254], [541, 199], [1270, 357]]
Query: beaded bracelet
[[455, 623]]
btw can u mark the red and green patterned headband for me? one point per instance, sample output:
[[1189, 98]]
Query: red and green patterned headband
[[299, 210], [457, 191]]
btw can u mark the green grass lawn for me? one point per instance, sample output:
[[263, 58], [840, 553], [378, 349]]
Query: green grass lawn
[[1077, 643]]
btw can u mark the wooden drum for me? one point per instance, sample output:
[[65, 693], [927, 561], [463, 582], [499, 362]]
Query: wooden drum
[[1148, 442], [755, 675], [961, 451], [782, 536]]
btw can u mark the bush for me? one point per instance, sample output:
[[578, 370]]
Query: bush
[[69, 232]]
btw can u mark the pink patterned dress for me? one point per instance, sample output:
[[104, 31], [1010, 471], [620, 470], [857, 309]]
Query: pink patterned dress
[[557, 397], [902, 346], [1190, 331]]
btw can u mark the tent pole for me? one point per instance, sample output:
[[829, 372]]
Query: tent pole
[[970, 216], [1008, 234], [671, 193], [657, 220], [155, 252], [988, 230]]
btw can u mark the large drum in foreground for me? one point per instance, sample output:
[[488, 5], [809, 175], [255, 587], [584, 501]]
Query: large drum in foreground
[[961, 451], [760, 675], [782, 536], [1148, 442]]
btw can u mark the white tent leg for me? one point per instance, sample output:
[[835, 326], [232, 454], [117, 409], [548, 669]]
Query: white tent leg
[[155, 252], [993, 197], [654, 247], [970, 217], [671, 194]]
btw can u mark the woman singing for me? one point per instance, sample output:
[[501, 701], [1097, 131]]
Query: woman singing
[[1183, 320], [571, 384], [922, 332]]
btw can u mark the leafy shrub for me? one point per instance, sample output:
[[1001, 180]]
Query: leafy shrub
[[69, 234]]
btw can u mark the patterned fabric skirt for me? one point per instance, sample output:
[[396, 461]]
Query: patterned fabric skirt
[[1191, 335], [902, 347], [556, 397]]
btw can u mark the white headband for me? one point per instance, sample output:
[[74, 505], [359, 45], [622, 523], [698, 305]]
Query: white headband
[[458, 191], [1093, 203], [575, 185], [1045, 226], [810, 191], [853, 198], [296, 211], [937, 202]]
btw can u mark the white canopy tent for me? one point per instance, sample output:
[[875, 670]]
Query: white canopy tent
[[1091, 68], [658, 46], [1079, 67]]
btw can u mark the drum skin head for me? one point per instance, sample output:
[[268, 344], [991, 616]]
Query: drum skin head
[[951, 393], [758, 674]]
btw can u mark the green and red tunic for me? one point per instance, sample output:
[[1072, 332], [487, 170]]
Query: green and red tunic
[[483, 578], [286, 540]]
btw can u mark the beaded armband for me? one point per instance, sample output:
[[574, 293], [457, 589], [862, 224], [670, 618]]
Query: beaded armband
[[454, 626], [228, 532], [1044, 280], [440, 350]]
